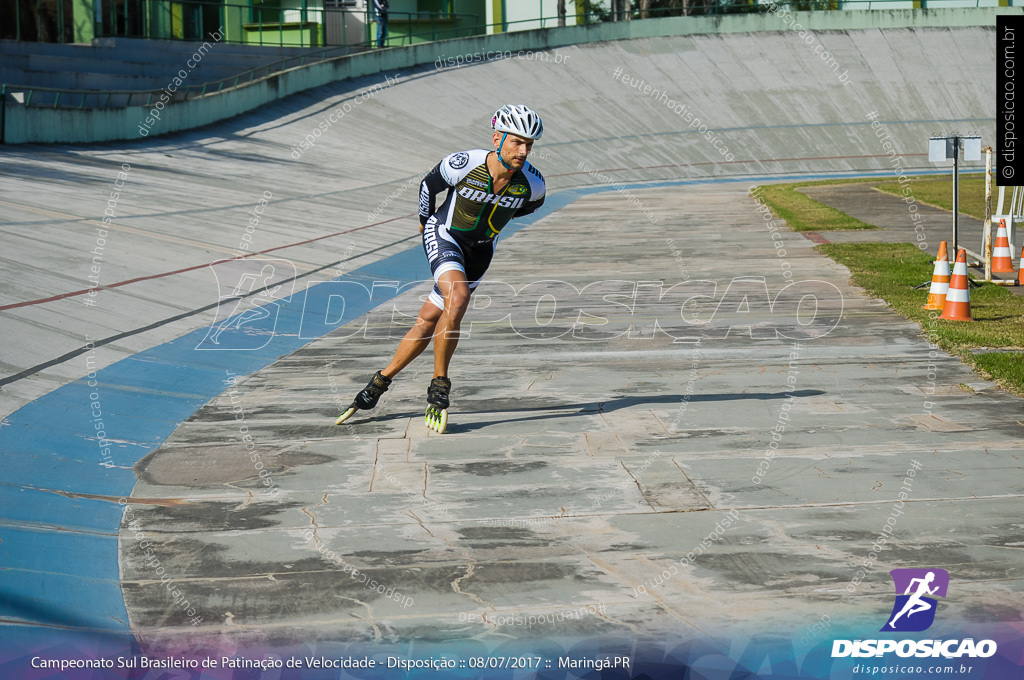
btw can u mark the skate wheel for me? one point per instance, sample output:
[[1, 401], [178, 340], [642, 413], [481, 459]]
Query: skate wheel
[[346, 415], [436, 419]]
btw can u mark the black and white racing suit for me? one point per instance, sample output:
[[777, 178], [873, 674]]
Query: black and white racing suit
[[461, 233]]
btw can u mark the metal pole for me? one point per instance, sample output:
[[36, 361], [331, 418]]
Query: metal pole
[[956, 190], [987, 248]]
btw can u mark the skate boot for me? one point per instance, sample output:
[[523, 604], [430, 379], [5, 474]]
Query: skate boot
[[437, 404], [368, 397]]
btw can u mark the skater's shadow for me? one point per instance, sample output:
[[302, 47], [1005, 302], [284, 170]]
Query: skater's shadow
[[618, 403], [549, 411]]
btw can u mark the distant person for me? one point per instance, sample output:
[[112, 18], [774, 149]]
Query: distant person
[[380, 10], [485, 190]]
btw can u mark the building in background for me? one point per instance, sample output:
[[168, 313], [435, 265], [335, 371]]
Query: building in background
[[304, 23], [415, 21], [526, 15], [315, 23]]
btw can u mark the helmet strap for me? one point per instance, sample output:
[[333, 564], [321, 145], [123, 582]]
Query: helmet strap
[[500, 159]]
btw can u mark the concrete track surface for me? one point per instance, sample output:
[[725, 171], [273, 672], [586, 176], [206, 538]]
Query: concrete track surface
[[715, 461]]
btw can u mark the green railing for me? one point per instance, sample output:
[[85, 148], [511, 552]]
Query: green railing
[[88, 99], [293, 24], [197, 20]]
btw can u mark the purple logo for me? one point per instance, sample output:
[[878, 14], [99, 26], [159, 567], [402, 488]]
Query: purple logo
[[914, 610]]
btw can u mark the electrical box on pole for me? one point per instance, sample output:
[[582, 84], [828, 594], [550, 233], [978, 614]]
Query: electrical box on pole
[[955, 148]]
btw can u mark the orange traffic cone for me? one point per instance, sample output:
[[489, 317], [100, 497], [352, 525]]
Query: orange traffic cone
[[1020, 270], [958, 298], [940, 280], [1002, 258]]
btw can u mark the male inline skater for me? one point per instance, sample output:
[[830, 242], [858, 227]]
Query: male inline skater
[[486, 189]]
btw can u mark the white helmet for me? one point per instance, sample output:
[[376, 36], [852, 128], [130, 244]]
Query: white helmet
[[518, 120]]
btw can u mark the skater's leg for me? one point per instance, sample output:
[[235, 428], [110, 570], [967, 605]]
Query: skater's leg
[[455, 290], [415, 341], [411, 346]]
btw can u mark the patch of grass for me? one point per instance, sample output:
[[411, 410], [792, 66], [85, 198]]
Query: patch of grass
[[938, 191], [803, 213], [1007, 368], [890, 270]]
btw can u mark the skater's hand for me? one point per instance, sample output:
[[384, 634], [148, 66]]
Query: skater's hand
[[421, 228]]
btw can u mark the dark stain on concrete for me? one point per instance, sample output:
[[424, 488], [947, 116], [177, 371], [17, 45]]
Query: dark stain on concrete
[[506, 573], [992, 612], [489, 469], [772, 570], [210, 516], [625, 547], [389, 557], [489, 533], [207, 465], [318, 596], [265, 591]]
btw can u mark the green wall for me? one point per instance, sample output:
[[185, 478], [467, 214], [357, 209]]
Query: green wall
[[83, 14]]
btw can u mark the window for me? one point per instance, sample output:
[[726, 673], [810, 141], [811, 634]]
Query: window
[[442, 7]]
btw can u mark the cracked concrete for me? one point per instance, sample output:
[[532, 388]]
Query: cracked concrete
[[577, 473]]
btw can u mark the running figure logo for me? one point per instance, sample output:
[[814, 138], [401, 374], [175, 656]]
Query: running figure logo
[[914, 611]]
